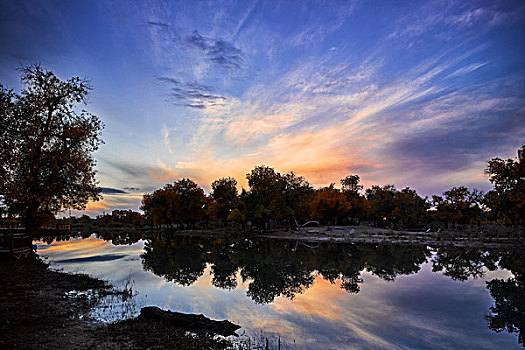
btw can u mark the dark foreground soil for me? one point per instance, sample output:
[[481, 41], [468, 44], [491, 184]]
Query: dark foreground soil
[[36, 312]]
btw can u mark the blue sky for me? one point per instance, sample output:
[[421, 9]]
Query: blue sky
[[414, 93]]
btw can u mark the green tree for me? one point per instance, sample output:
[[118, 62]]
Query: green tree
[[360, 207], [225, 198], [381, 201], [296, 191], [265, 200], [46, 147]]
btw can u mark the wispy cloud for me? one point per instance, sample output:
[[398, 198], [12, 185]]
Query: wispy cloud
[[219, 52], [156, 24], [467, 69], [420, 97], [194, 94], [444, 20]]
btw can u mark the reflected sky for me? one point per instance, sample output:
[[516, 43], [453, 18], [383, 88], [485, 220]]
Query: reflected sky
[[423, 310]]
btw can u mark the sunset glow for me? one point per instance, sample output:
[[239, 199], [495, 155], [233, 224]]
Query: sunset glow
[[417, 94]]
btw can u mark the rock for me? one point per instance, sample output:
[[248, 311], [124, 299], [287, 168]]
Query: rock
[[191, 322]]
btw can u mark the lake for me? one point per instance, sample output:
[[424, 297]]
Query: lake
[[311, 296]]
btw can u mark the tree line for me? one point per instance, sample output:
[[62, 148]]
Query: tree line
[[285, 200], [47, 165]]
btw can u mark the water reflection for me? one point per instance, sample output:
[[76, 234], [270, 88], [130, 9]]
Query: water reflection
[[282, 273], [461, 263], [287, 268], [508, 312], [275, 268]]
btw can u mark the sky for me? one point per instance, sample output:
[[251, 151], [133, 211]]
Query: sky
[[410, 93]]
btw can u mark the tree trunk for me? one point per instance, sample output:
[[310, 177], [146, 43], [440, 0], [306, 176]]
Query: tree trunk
[[31, 220]]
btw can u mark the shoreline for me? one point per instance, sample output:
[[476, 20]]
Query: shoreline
[[361, 234], [39, 309]]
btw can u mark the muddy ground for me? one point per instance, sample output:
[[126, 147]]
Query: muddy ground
[[36, 312]]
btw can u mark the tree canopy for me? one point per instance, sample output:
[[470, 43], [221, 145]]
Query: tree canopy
[[181, 203], [507, 199], [46, 147]]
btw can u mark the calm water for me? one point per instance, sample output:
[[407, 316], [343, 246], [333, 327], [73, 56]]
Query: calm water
[[334, 296]]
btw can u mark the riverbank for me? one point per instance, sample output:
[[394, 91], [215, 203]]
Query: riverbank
[[45, 309], [363, 234], [484, 236]]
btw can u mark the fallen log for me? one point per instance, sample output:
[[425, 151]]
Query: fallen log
[[190, 322]]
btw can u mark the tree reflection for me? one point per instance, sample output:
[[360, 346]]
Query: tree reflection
[[460, 263], [180, 260], [389, 261], [277, 268], [508, 311], [274, 268], [224, 271]]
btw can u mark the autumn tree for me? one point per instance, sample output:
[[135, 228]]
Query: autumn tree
[[459, 205], [181, 203], [158, 207], [409, 207], [189, 201], [46, 147], [329, 205], [507, 199]]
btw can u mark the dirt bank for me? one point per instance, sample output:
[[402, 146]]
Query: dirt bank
[[38, 312], [364, 234]]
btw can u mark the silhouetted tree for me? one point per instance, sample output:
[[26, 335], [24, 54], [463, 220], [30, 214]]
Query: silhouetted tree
[[351, 184], [225, 198], [508, 311], [360, 208], [409, 207], [459, 263], [381, 201], [459, 205], [46, 147], [265, 200], [507, 199], [180, 261]]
